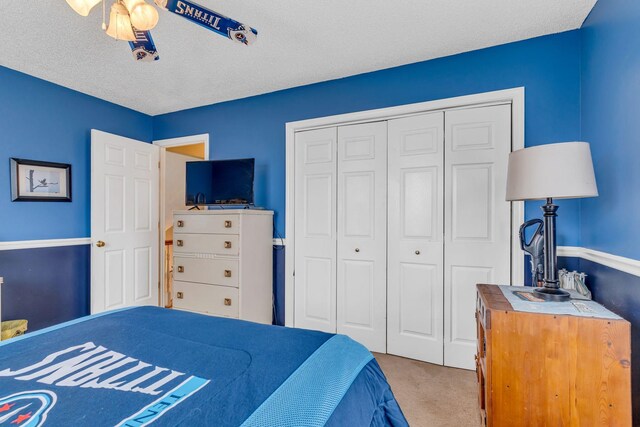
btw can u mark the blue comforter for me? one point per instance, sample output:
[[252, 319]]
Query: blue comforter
[[149, 365]]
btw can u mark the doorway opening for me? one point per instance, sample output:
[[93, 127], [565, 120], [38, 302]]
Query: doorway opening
[[174, 154]]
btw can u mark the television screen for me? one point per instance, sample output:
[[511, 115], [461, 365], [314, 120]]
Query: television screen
[[220, 182]]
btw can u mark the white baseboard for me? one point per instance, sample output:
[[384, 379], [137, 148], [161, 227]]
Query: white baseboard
[[49, 243], [628, 265]]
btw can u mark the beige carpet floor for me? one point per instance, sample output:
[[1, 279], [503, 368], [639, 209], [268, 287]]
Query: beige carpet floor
[[432, 395]]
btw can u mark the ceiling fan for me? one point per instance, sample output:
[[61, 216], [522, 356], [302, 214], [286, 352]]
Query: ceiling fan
[[132, 20]]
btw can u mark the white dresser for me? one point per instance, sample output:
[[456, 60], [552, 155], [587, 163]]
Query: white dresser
[[223, 263]]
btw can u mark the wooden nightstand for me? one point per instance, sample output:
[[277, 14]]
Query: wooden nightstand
[[538, 369]]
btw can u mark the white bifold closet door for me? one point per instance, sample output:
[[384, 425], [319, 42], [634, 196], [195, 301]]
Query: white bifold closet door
[[362, 234], [477, 220], [315, 229], [415, 246]]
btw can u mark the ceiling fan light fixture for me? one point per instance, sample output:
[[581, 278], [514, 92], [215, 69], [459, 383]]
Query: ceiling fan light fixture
[[83, 7], [144, 17], [120, 23]]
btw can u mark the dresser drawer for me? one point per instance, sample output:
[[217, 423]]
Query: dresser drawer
[[218, 244], [217, 300], [212, 224], [206, 270]]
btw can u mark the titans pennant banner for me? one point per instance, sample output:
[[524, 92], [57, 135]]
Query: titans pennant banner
[[143, 48], [211, 20]]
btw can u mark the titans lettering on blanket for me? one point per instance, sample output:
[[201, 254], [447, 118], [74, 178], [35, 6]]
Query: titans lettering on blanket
[[92, 366]]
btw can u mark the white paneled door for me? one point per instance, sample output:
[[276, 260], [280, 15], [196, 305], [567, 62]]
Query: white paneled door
[[362, 234], [477, 220], [315, 229], [124, 222], [415, 238]]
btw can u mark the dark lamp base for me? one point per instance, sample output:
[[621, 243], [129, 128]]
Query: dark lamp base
[[551, 294]]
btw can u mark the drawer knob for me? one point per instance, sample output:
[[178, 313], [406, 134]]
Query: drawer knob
[[227, 224], [227, 301], [180, 269], [179, 295], [180, 223], [357, 249], [417, 252], [227, 245], [180, 243], [227, 273]]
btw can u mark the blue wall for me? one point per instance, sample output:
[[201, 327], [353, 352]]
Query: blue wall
[[611, 123], [610, 108], [548, 67], [45, 286], [43, 121]]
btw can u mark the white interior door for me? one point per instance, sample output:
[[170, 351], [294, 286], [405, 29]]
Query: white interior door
[[477, 219], [315, 229], [415, 238], [362, 234], [124, 222]]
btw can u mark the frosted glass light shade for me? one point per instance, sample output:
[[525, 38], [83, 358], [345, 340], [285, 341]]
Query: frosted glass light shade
[[120, 23], [559, 171], [83, 7], [144, 17]]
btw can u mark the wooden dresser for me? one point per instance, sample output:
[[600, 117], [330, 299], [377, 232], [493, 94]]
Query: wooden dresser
[[548, 369], [223, 263]]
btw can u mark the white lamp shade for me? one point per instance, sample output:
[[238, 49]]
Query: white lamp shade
[[83, 7], [560, 171], [120, 23], [144, 17]]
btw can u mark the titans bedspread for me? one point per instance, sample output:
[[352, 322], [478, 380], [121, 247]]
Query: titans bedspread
[[148, 365]]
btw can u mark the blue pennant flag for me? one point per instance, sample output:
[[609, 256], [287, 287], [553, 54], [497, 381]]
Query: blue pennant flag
[[211, 20], [144, 49]]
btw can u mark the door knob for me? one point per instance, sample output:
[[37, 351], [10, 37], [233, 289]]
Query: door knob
[[417, 252], [100, 243], [357, 249]]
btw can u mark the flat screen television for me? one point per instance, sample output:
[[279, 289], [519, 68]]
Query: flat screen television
[[220, 182]]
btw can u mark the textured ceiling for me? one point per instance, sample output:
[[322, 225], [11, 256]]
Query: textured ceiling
[[299, 42]]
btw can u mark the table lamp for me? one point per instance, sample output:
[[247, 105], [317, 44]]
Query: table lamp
[[552, 171]]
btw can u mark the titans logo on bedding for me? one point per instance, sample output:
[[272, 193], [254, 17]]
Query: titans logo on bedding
[[27, 409], [93, 366]]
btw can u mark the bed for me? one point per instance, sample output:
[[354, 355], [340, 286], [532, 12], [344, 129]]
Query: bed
[[148, 365]]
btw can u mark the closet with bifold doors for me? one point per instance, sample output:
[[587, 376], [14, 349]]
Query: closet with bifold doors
[[395, 223]]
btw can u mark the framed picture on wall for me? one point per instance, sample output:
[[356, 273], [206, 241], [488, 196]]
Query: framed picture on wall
[[33, 180]]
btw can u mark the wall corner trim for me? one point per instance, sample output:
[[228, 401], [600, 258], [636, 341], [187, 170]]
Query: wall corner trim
[[50, 243], [627, 265]]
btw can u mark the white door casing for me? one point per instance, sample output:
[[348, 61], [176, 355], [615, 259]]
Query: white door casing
[[477, 220], [415, 237], [124, 215], [362, 234], [315, 236]]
